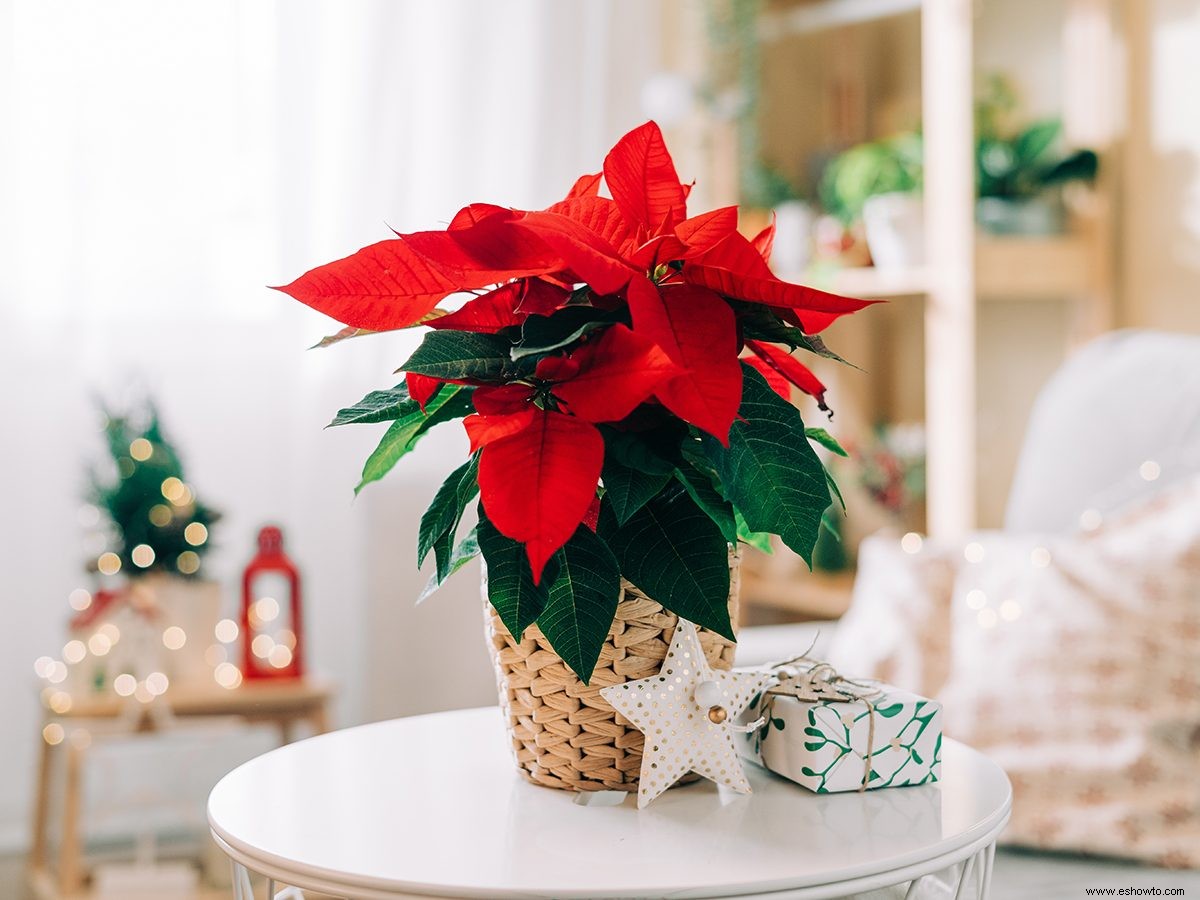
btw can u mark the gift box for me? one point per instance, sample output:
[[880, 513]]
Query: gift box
[[823, 739]]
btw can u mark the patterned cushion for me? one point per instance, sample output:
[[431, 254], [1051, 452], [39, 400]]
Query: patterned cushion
[[1073, 662]]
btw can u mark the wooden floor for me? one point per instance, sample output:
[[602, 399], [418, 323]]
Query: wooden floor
[[1019, 875]]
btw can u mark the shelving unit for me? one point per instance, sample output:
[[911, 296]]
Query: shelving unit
[[964, 268]]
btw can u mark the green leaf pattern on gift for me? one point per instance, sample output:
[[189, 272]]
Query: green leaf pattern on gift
[[826, 728]]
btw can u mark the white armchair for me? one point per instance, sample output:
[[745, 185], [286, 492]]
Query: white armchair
[[1120, 419]]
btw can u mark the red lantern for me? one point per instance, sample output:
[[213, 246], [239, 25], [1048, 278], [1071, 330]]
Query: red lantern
[[272, 641]]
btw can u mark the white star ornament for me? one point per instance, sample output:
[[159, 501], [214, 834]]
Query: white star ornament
[[687, 713]]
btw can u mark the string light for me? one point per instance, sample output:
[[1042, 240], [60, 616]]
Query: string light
[[266, 609], [195, 534], [171, 488], [976, 599], [226, 631], [1090, 519], [124, 684], [160, 515], [1010, 610], [280, 656], [1149, 470], [157, 683], [911, 542], [142, 693], [53, 734], [174, 638], [125, 466], [99, 644], [110, 631], [973, 552], [188, 562], [79, 599], [215, 655], [57, 673], [109, 563], [227, 675], [42, 666], [1039, 557], [60, 702], [142, 555], [184, 497], [141, 449], [261, 645], [287, 638], [74, 652]]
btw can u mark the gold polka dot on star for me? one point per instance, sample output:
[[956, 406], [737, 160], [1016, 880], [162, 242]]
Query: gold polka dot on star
[[687, 737]]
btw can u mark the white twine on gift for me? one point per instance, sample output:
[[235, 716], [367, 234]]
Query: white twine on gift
[[816, 682]]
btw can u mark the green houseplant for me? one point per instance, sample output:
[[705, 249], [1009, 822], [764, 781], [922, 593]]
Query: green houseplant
[[879, 183], [618, 365], [1017, 168]]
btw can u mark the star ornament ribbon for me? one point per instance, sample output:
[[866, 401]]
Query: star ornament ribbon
[[687, 713]]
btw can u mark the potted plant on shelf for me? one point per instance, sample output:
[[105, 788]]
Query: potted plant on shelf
[[879, 183], [620, 445], [1016, 170]]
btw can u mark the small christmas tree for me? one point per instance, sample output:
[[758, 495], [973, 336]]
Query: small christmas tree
[[157, 524]]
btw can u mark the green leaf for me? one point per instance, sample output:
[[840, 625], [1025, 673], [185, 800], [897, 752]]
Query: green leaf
[[377, 406], [760, 324], [638, 451], [826, 440], [701, 489], [1034, 141], [759, 540], [769, 470], [677, 555], [583, 600], [451, 402], [461, 354], [509, 579], [834, 490], [1079, 166], [440, 522], [628, 489], [829, 519], [541, 334], [888, 711], [467, 550]]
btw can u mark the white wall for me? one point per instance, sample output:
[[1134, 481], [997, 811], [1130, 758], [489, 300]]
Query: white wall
[[162, 163]]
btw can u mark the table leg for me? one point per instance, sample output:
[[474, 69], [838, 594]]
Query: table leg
[[70, 868], [965, 876], [319, 719], [41, 807], [242, 888], [985, 881]]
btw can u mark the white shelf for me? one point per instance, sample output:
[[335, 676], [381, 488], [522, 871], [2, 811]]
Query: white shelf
[[824, 15]]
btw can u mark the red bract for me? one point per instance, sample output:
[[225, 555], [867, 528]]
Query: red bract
[[698, 331], [790, 368], [614, 309], [538, 482], [421, 388]]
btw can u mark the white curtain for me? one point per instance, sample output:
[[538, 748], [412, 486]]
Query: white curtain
[[161, 162]]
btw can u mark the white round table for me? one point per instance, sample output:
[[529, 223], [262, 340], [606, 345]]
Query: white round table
[[433, 806]]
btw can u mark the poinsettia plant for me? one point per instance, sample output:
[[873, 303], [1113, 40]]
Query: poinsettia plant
[[623, 373]]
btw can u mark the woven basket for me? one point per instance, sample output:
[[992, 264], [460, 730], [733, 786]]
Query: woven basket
[[564, 734]]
